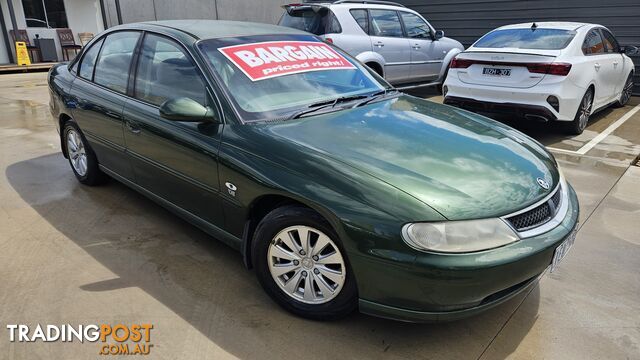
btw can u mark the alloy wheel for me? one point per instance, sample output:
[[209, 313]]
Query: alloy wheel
[[585, 110], [626, 91], [306, 264], [77, 152]]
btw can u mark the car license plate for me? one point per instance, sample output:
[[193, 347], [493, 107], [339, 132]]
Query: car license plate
[[496, 72], [563, 249]]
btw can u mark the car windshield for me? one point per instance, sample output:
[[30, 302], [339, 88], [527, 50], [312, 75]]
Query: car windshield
[[538, 39], [272, 77]]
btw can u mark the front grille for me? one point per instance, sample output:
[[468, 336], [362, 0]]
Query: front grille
[[538, 215]]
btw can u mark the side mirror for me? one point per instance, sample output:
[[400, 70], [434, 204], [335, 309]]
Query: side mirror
[[187, 110], [439, 34], [629, 50]]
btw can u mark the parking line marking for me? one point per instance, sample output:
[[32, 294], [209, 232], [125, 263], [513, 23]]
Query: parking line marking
[[561, 150], [588, 146]]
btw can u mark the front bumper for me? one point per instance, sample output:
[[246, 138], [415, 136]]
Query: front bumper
[[437, 287]]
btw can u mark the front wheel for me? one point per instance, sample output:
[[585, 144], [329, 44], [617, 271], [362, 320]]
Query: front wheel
[[302, 266], [580, 121]]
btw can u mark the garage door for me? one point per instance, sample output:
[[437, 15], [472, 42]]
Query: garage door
[[467, 20]]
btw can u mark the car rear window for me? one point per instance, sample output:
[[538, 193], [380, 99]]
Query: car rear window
[[316, 21], [539, 39]]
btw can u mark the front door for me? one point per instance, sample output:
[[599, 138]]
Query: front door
[[426, 53], [387, 39], [177, 161]]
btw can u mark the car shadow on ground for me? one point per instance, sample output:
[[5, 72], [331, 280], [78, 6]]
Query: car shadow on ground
[[205, 283]]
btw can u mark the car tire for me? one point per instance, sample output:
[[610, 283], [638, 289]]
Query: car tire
[[580, 121], [319, 270], [627, 90], [82, 159], [444, 78]]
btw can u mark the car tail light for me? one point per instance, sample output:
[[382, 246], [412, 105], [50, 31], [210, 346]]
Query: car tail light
[[328, 40], [460, 63], [561, 69]]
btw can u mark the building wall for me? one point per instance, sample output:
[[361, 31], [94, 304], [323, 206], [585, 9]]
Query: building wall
[[468, 20], [82, 16], [267, 11]]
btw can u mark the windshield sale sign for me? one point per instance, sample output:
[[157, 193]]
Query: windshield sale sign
[[276, 58]]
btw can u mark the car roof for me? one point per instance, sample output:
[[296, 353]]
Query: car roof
[[373, 4], [211, 29], [563, 25]]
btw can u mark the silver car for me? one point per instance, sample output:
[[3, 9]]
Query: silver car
[[393, 40]]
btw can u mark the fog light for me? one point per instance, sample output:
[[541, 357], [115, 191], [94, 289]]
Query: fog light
[[553, 101]]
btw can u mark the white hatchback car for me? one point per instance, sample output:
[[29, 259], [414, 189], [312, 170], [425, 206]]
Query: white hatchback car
[[547, 71]]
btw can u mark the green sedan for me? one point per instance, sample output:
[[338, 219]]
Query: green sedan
[[339, 191]]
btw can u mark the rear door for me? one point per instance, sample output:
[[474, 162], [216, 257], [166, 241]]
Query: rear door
[[387, 39], [99, 94], [177, 161], [612, 49], [426, 53], [602, 63]]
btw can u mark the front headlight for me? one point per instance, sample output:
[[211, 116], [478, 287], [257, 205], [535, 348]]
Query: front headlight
[[458, 236]]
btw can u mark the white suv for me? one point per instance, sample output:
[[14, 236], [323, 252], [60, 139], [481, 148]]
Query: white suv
[[394, 41], [547, 71]]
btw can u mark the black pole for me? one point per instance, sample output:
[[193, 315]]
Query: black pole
[[14, 23], [12, 15], [104, 15], [5, 35], [118, 12]]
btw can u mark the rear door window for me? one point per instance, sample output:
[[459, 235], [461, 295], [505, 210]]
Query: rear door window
[[89, 60], [593, 44], [318, 22], [361, 16], [536, 39], [385, 23], [112, 69]]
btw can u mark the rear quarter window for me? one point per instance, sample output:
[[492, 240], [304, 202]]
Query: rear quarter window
[[318, 22], [537, 39]]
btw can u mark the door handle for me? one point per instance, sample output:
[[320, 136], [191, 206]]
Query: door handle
[[597, 66], [132, 128], [615, 64], [379, 44], [416, 47]]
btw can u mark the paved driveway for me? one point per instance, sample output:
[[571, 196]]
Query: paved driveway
[[79, 255]]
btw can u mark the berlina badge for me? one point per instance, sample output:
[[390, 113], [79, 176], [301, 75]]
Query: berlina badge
[[543, 184]]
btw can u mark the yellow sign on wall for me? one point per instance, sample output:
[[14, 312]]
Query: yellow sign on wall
[[22, 53]]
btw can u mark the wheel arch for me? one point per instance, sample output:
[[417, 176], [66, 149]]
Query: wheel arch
[[259, 208], [372, 59], [446, 61], [62, 119]]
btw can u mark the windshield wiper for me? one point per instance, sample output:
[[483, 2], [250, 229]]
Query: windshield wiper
[[325, 104], [376, 96]]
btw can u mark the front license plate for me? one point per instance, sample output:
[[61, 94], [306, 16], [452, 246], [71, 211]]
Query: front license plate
[[496, 72], [563, 249]]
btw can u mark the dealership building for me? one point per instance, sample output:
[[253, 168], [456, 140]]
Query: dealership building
[[463, 20]]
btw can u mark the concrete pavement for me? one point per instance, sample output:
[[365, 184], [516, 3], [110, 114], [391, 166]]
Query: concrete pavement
[[79, 255]]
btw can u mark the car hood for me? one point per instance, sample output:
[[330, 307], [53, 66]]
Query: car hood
[[463, 165]]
